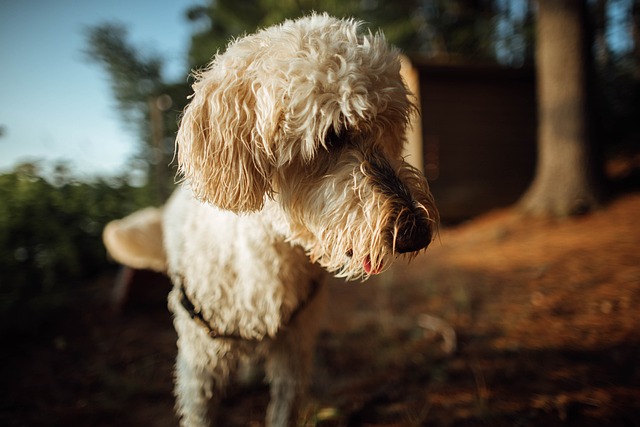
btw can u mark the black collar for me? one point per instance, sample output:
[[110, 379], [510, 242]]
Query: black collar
[[196, 314]]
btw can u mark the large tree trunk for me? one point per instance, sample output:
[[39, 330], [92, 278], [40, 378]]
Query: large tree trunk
[[564, 181], [635, 33]]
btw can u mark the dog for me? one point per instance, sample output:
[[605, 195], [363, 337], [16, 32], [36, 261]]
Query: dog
[[291, 154]]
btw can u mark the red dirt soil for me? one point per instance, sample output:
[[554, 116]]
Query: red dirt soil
[[546, 314]]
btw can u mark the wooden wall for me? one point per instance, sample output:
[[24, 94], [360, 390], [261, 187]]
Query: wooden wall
[[479, 135]]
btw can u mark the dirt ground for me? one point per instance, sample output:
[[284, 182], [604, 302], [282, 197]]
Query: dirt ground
[[546, 316]]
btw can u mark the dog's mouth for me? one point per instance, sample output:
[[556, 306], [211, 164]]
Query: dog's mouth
[[367, 265], [369, 268]]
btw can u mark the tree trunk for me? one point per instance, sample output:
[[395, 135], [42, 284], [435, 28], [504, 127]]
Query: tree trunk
[[601, 47], [635, 33], [159, 164], [564, 180]]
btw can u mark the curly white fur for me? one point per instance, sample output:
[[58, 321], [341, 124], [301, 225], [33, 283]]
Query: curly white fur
[[291, 149]]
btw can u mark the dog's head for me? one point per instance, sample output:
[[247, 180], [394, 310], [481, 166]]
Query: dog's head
[[311, 114]]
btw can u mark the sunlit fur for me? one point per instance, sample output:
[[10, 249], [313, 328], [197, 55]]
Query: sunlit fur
[[291, 155], [272, 98], [345, 212], [299, 113]]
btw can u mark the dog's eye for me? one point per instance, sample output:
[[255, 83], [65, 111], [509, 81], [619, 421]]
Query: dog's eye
[[333, 139]]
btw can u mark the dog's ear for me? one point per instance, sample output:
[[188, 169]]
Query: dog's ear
[[226, 136], [136, 240]]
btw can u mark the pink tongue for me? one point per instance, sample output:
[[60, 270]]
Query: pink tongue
[[368, 268]]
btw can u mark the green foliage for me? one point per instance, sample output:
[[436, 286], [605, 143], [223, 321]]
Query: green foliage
[[450, 28], [215, 23], [222, 20], [50, 238]]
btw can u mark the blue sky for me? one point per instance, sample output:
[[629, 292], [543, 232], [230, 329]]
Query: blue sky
[[54, 104]]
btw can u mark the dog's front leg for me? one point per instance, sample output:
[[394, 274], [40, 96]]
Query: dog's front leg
[[290, 362], [193, 389], [288, 367]]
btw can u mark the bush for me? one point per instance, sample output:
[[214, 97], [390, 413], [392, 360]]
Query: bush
[[50, 238]]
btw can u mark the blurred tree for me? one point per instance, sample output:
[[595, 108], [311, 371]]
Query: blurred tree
[[565, 182], [487, 30], [220, 20], [144, 99], [133, 77], [216, 23], [635, 33], [602, 52], [617, 72], [458, 28]]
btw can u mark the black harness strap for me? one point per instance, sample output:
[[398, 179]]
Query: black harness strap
[[196, 314]]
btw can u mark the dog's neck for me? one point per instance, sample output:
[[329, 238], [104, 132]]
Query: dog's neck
[[215, 333]]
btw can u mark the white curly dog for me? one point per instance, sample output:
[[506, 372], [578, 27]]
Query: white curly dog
[[291, 152]]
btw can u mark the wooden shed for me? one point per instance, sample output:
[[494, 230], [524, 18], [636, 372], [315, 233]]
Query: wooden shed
[[478, 135]]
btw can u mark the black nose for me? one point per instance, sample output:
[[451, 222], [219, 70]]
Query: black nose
[[412, 235]]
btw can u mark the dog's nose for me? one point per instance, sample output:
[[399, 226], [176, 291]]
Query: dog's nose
[[412, 236]]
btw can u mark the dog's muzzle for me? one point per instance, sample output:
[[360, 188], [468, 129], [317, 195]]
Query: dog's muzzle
[[414, 235]]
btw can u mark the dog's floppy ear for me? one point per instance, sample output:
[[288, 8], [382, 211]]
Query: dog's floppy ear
[[226, 135], [136, 240]]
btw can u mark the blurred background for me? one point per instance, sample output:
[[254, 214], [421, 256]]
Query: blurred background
[[532, 105]]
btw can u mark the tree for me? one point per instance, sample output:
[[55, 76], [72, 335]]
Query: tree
[[565, 178], [220, 20], [458, 28], [143, 98], [635, 33], [134, 77]]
